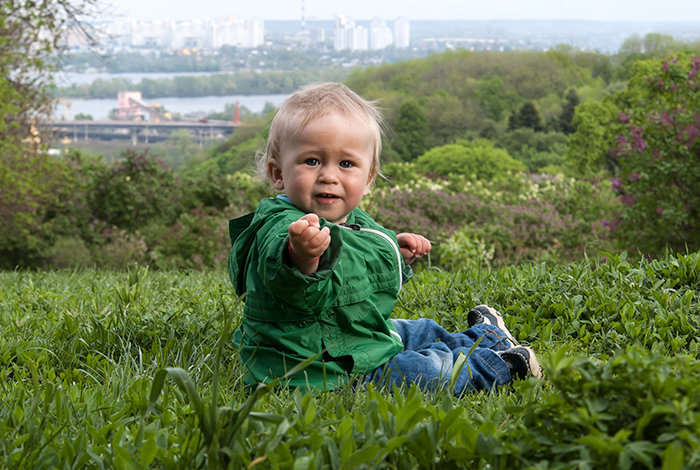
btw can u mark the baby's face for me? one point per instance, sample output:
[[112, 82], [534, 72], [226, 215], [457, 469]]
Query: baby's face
[[325, 168]]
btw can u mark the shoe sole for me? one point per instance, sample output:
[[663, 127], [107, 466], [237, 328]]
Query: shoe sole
[[491, 317], [535, 369]]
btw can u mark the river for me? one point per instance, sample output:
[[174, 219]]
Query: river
[[200, 106]]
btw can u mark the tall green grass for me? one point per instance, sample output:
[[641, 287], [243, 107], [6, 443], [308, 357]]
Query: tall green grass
[[137, 369]]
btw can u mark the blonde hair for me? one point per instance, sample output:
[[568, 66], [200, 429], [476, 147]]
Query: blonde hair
[[316, 100]]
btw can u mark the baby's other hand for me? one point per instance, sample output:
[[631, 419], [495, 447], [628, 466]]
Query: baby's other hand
[[413, 246], [307, 239]]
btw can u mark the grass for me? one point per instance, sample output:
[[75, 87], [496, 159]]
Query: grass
[[136, 370]]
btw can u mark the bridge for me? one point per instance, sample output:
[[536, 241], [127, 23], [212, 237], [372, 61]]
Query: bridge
[[140, 131]]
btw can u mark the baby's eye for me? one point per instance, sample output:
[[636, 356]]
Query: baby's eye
[[311, 161], [345, 164]]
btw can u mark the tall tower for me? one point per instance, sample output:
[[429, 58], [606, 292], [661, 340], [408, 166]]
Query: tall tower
[[303, 16]]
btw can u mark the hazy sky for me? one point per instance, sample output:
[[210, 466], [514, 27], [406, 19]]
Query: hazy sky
[[632, 10]]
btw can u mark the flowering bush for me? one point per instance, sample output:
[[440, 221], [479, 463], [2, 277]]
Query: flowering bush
[[463, 251], [527, 217], [658, 147], [121, 249]]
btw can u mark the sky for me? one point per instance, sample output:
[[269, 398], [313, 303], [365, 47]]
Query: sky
[[605, 10]]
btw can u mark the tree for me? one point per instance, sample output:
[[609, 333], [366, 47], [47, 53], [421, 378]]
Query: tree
[[566, 119], [594, 137], [411, 130], [526, 116], [31, 37], [495, 98]]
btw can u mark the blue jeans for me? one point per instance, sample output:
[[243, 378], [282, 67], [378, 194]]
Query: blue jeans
[[430, 353]]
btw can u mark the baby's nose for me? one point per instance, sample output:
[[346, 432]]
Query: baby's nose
[[328, 174]]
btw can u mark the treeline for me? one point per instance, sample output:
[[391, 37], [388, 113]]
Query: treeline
[[219, 84], [227, 59]]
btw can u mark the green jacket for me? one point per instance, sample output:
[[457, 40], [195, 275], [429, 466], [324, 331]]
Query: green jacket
[[340, 312]]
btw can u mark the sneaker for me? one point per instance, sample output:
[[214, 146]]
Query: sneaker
[[522, 362], [490, 316]]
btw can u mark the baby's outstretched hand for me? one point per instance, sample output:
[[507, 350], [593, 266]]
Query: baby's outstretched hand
[[412, 246], [307, 242]]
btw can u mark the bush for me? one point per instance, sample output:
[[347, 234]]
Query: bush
[[479, 159], [198, 240], [69, 252], [462, 251], [134, 191], [525, 218], [659, 151], [121, 249], [34, 189]]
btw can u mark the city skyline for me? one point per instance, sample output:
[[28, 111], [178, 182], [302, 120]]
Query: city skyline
[[595, 10]]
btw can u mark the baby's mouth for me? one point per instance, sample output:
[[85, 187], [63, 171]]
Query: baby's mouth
[[326, 197]]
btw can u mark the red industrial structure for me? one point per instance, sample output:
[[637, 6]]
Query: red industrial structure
[[131, 107]]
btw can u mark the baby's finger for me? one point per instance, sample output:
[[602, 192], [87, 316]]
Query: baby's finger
[[424, 245], [297, 227], [321, 239], [312, 219]]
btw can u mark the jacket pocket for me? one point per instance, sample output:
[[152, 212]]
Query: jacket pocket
[[359, 284]]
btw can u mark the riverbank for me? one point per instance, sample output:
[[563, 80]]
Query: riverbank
[[201, 106]]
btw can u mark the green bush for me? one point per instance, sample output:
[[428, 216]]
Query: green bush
[[199, 239], [35, 190], [133, 192], [479, 159], [121, 249], [462, 251], [69, 252]]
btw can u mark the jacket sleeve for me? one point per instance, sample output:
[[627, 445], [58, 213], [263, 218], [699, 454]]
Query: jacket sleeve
[[314, 292]]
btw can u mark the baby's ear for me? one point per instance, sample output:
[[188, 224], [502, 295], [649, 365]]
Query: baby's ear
[[274, 172], [368, 186]]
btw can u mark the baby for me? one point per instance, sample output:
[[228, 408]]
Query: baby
[[321, 277]]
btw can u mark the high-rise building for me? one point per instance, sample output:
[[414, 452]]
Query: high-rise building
[[402, 33], [380, 36], [190, 34], [347, 35], [155, 33], [340, 32], [229, 32], [358, 38], [256, 33]]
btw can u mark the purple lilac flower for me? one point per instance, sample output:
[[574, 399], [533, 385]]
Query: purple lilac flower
[[659, 211], [634, 176], [665, 119], [616, 184], [692, 75], [628, 199], [637, 140], [623, 118]]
